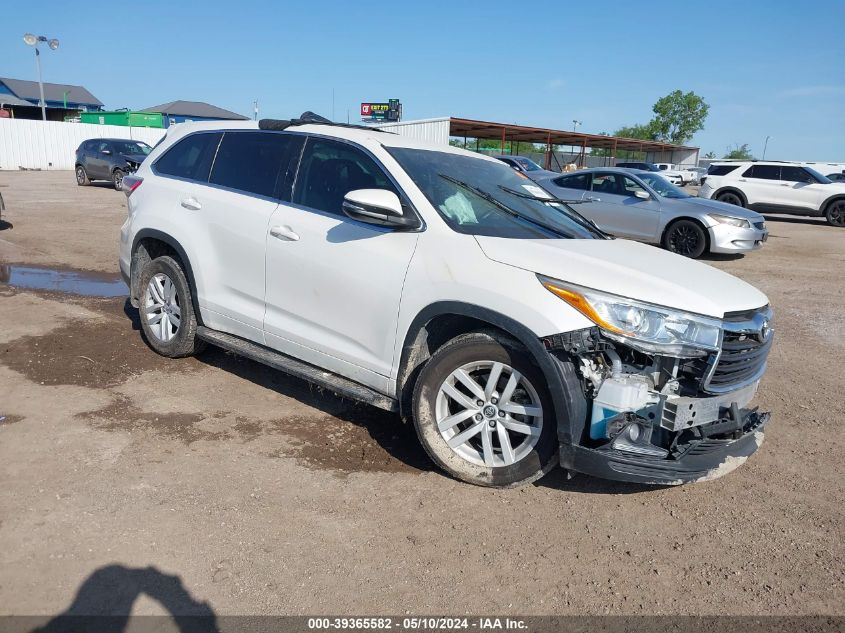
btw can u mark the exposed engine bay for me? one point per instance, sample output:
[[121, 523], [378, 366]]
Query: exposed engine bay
[[654, 405]]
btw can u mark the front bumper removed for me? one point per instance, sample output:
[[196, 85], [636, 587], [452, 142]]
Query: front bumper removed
[[699, 460]]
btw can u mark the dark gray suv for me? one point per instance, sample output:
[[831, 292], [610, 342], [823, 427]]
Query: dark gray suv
[[109, 159]]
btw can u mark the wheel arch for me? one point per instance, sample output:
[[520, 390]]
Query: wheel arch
[[146, 246], [730, 189], [691, 219], [829, 201], [442, 321]]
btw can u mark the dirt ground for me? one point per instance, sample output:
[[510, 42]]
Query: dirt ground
[[248, 492]]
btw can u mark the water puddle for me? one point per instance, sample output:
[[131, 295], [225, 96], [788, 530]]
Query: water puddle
[[75, 282]]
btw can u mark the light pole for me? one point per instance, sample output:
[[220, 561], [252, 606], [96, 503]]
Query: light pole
[[765, 145], [575, 124], [33, 40]]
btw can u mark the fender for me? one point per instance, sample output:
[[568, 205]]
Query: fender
[[564, 386], [828, 200], [134, 274]]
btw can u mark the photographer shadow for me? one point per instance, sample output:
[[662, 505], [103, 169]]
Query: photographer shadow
[[104, 602]]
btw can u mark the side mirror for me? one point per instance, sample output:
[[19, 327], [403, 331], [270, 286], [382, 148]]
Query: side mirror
[[642, 195], [377, 206]]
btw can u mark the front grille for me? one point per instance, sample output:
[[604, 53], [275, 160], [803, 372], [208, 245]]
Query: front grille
[[746, 342]]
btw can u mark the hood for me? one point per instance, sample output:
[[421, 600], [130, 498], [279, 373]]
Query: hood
[[705, 205], [134, 158], [629, 269]]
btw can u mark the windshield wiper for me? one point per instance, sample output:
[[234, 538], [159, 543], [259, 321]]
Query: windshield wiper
[[501, 205], [587, 222]]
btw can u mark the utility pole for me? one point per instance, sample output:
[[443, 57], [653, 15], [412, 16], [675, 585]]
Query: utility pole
[[765, 146], [255, 110]]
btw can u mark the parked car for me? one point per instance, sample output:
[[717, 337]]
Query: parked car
[[526, 166], [699, 172], [775, 187], [435, 282], [838, 176], [672, 176], [644, 206], [687, 175], [109, 159]]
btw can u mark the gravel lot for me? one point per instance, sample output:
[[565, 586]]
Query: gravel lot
[[264, 496]]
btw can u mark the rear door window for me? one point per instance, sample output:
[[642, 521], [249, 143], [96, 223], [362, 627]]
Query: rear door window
[[329, 170], [257, 162], [763, 172], [191, 157]]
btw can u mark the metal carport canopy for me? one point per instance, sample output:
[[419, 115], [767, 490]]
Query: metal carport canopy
[[506, 132]]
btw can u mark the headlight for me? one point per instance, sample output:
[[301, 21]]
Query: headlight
[[724, 219], [649, 328]]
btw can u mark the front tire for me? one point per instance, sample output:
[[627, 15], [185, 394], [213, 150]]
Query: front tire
[[168, 317], [117, 179], [686, 238], [835, 214], [483, 413]]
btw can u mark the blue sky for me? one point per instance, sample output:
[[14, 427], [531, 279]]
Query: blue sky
[[765, 67]]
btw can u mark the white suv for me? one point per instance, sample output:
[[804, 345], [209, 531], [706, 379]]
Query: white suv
[[775, 187], [442, 285]]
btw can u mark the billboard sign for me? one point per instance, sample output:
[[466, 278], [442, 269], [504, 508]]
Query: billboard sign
[[390, 111]]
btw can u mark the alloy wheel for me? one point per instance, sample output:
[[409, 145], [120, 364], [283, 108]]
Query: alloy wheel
[[118, 179], [80, 176], [161, 307], [489, 414], [836, 214], [684, 240]]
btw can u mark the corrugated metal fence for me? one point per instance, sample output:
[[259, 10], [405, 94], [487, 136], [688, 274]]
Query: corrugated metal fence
[[52, 144]]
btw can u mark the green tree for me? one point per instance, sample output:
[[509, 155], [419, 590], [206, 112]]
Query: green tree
[[677, 117], [739, 152], [710, 155]]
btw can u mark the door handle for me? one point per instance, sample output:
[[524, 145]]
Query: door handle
[[742, 180], [284, 233], [191, 203], [783, 184]]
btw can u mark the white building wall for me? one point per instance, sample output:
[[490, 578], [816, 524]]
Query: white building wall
[[431, 130], [52, 144]]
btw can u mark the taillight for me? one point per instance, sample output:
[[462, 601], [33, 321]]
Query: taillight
[[130, 184]]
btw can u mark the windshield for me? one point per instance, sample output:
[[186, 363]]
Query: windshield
[[448, 181], [822, 179], [132, 147], [527, 164], [662, 186]]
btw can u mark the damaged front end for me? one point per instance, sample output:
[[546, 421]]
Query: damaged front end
[[658, 418]]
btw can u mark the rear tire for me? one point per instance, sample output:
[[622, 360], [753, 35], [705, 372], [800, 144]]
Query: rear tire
[[685, 237], [168, 317], [82, 176], [731, 198], [507, 440], [835, 214]]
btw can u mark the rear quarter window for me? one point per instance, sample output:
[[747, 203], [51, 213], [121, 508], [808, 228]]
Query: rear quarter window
[[191, 157], [721, 170], [579, 181]]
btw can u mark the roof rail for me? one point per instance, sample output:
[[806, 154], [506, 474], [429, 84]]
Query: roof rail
[[310, 118]]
